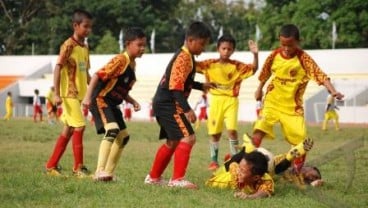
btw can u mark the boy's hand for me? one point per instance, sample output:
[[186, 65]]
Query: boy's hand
[[136, 106], [58, 100], [208, 85], [258, 94], [338, 95], [253, 47], [191, 116], [86, 102]]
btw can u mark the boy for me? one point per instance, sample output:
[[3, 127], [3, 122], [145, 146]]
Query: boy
[[8, 107], [291, 68], [330, 113], [50, 105], [108, 88], [173, 112], [227, 75], [203, 104], [70, 82], [248, 177], [37, 106]]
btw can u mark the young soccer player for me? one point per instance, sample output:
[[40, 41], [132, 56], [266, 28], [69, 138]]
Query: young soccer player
[[127, 110], [37, 106], [8, 107], [330, 113], [291, 69], [50, 105], [249, 177], [108, 88], [173, 112], [227, 75], [70, 82], [202, 104]]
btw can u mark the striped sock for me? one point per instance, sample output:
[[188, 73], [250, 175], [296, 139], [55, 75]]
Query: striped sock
[[233, 146]]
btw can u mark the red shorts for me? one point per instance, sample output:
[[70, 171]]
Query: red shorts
[[37, 109], [127, 113], [202, 114]]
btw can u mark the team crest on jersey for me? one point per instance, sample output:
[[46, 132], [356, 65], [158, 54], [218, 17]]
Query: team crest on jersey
[[230, 75], [293, 72]]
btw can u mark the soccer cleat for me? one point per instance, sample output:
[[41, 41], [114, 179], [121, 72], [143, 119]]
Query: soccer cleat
[[103, 176], [181, 183], [82, 172], [56, 171], [300, 149], [247, 143], [227, 157], [213, 166], [154, 181]]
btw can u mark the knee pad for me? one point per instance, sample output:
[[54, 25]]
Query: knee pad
[[112, 131]]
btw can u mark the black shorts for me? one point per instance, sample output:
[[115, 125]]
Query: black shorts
[[106, 115], [173, 126]]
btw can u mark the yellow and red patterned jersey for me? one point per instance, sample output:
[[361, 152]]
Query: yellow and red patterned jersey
[[289, 79], [74, 62], [227, 76]]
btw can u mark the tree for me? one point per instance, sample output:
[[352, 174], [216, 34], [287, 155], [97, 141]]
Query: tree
[[107, 45]]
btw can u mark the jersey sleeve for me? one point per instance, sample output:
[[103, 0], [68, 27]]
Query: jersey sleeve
[[113, 68], [312, 69], [245, 70], [202, 66], [266, 69], [267, 186], [181, 68], [65, 52]]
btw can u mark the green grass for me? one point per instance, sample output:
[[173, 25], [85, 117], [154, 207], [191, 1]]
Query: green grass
[[25, 147]]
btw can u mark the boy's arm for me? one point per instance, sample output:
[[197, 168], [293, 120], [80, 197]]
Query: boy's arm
[[327, 83], [264, 75], [259, 194], [57, 84], [135, 104], [253, 47], [92, 85]]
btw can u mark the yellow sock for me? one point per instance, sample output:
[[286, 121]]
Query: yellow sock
[[103, 154], [115, 154]]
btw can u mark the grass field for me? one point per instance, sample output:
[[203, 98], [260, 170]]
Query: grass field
[[25, 146]]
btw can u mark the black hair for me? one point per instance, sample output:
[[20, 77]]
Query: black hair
[[258, 161], [79, 15], [318, 172], [133, 33], [9, 93], [290, 30], [198, 29], [36, 91], [226, 38]]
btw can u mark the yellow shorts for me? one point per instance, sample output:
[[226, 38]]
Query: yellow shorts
[[223, 109], [293, 126], [72, 113], [329, 115]]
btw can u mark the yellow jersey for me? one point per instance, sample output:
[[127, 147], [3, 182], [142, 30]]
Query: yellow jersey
[[226, 75], [8, 102], [74, 62], [289, 79]]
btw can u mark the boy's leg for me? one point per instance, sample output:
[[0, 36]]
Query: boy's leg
[[162, 159], [233, 142], [214, 149], [77, 142], [325, 121], [59, 148], [112, 131], [230, 111], [337, 127], [117, 147]]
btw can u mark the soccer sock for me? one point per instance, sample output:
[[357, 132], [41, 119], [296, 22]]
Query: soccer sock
[[298, 163], [257, 140], [233, 146], [59, 149], [103, 154], [77, 149], [114, 156], [162, 159], [214, 148], [181, 160]]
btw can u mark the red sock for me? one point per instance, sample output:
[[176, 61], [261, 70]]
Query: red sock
[[59, 149], [77, 149], [162, 159], [181, 160], [298, 163], [257, 140]]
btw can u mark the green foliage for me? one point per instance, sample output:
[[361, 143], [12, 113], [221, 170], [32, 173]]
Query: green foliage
[[25, 147], [107, 45]]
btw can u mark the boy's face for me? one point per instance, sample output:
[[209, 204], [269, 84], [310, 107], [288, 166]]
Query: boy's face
[[136, 47], [289, 46], [245, 173], [83, 29], [196, 45], [226, 49]]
